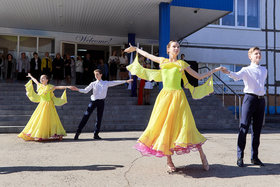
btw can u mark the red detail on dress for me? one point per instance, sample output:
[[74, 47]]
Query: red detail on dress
[[149, 151]]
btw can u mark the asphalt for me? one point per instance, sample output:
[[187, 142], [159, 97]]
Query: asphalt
[[114, 162]]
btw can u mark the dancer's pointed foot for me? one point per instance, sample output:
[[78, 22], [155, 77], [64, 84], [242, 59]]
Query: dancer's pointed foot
[[171, 167], [204, 162]]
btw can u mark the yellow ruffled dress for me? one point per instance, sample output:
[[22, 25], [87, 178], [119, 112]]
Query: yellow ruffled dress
[[44, 123], [171, 127]]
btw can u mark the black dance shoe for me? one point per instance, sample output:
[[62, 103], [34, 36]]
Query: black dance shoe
[[77, 136], [257, 162], [96, 137], [240, 162]]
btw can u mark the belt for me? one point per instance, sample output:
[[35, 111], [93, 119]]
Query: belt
[[257, 96]]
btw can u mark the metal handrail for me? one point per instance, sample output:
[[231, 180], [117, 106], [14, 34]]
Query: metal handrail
[[235, 94]]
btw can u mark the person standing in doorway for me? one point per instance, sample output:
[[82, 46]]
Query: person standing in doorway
[[23, 67], [87, 77], [123, 63], [46, 66], [113, 65], [253, 107], [35, 66], [79, 70], [67, 68], [10, 68], [58, 68]]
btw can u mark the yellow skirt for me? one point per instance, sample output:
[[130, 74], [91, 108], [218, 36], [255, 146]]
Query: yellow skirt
[[171, 127], [44, 124]]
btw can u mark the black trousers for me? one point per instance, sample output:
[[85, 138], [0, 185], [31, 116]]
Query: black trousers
[[253, 108], [99, 104]]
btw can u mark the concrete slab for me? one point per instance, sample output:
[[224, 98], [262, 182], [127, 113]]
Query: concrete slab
[[113, 162]]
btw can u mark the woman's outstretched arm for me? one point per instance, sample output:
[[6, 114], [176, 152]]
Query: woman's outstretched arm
[[61, 87], [201, 76], [144, 53]]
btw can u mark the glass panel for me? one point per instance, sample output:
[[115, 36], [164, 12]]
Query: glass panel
[[230, 18], [117, 49], [241, 12], [253, 13], [28, 45], [8, 44], [46, 45], [238, 67], [68, 49]]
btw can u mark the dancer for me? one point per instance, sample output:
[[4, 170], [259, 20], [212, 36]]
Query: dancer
[[171, 127], [44, 123], [99, 89], [253, 106]]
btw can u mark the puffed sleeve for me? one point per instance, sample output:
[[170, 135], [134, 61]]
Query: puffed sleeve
[[60, 101], [30, 93], [184, 64], [144, 73]]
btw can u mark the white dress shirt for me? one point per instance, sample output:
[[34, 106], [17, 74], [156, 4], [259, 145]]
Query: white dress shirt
[[253, 76], [100, 88]]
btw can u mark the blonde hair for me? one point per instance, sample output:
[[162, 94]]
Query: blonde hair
[[169, 44], [171, 41], [252, 49]]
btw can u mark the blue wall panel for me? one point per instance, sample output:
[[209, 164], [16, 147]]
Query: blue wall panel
[[224, 5]]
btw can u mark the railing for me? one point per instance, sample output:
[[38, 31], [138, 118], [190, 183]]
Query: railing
[[222, 86]]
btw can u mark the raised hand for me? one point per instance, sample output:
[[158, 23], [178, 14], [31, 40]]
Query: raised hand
[[130, 49], [29, 75]]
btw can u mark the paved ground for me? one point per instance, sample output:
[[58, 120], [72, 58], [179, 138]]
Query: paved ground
[[113, 162]]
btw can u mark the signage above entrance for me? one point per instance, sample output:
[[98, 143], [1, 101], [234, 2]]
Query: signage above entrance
[[89, 39]]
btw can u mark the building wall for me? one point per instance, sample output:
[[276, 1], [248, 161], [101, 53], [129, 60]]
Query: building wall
[[74, 38], [228, 45]]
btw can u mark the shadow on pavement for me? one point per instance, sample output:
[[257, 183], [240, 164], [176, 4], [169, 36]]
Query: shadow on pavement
[[225, 171], [67, 140], [16, 169], [103, 139], [119, 139]]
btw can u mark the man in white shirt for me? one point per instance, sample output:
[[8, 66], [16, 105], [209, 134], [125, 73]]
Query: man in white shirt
[[254, 77], [99, 92]]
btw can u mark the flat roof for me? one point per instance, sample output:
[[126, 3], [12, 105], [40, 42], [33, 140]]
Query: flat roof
[[111, 17]]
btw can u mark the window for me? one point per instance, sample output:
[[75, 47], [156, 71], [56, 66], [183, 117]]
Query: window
[[28, 45], [46, 45], [8, 44], [240, 13], [253, 13], [246, 13], [229, 19]]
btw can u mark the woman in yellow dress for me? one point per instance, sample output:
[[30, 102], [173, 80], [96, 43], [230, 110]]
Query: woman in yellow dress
[[171, 126], [44, 123]]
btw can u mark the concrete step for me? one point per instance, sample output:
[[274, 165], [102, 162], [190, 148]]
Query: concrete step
[[121, 111], [272, 119]]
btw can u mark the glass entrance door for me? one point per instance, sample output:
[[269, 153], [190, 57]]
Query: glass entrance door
[[69, 48]]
